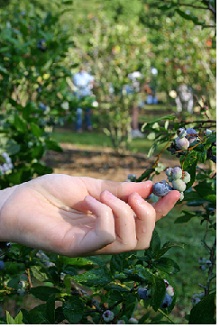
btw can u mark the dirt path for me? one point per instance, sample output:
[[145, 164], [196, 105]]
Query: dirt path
[[99, 163]]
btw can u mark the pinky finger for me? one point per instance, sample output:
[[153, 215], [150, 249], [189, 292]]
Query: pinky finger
[[103, 231]]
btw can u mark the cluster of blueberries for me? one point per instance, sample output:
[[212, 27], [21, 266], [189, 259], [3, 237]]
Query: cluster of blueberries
[[7, 165], [185, 139], [177, 177], [144, 294], [108, 316]]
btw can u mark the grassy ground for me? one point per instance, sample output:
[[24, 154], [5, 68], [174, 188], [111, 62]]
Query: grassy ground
[[97, 139], [187, 280]]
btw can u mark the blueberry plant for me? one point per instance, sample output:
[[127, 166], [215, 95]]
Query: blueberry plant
[[33, 91], [134, 287]]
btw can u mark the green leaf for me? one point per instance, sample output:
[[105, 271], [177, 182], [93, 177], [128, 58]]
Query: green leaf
[[18, 320], [41, 169], [163, 118], [73, 310], [36, 130], [189, 17], [2, 69], [20, 124], [167, 246], [12, 147], [43, 292], [95, 277], [78, 262], [38, 274], [130, 304], [50, 309], [187, 216], [158, 292], [155, 242], [206, 190], [38, 315], [53, 145], [118, 262], [168, 265], [205, 311]]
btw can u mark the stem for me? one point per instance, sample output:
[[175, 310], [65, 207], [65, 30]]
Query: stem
[[166, 316], [29, 278]]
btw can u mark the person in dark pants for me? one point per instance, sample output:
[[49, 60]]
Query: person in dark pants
[[83, 82]]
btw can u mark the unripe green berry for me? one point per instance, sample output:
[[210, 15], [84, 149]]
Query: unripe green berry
[[181, 196], [182, 143], [176, 173], [186, 177], [208, 132], [132, 320], [179, 185], [181, 132]]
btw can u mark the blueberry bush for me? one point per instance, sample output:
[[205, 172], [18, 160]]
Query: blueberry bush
[[136, 288]]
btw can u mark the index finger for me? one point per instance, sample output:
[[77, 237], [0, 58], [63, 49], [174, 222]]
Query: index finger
[[123, 189]]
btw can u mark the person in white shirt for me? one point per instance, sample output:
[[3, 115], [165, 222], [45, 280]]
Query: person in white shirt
[[83, 82], [184, 98], [135, 88]]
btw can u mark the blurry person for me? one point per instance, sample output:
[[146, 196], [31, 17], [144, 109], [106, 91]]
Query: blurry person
[[184, 98], [151, 94], [135, 88], [83, 82]]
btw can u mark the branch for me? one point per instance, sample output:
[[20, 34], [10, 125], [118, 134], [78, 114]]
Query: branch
[[210, 7]]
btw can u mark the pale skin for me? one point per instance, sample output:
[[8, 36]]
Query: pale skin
[[80, 216]]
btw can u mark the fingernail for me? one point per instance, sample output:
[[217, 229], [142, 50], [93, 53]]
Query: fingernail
[[108, 194]]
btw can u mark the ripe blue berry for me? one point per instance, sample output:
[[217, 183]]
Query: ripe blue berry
[[176, 173], [108, 316], [179, 185], [182, 143], [132, 320], [169, 172], [143, 293], [192, 140], [161, 188], [166, 301], [2, 265], [191, 131]]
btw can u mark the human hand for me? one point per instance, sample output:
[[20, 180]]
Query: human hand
[[80, 216]]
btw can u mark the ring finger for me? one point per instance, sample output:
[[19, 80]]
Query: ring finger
[[124, 222]]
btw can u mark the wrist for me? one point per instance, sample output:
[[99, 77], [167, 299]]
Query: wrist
[[4, 197]]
